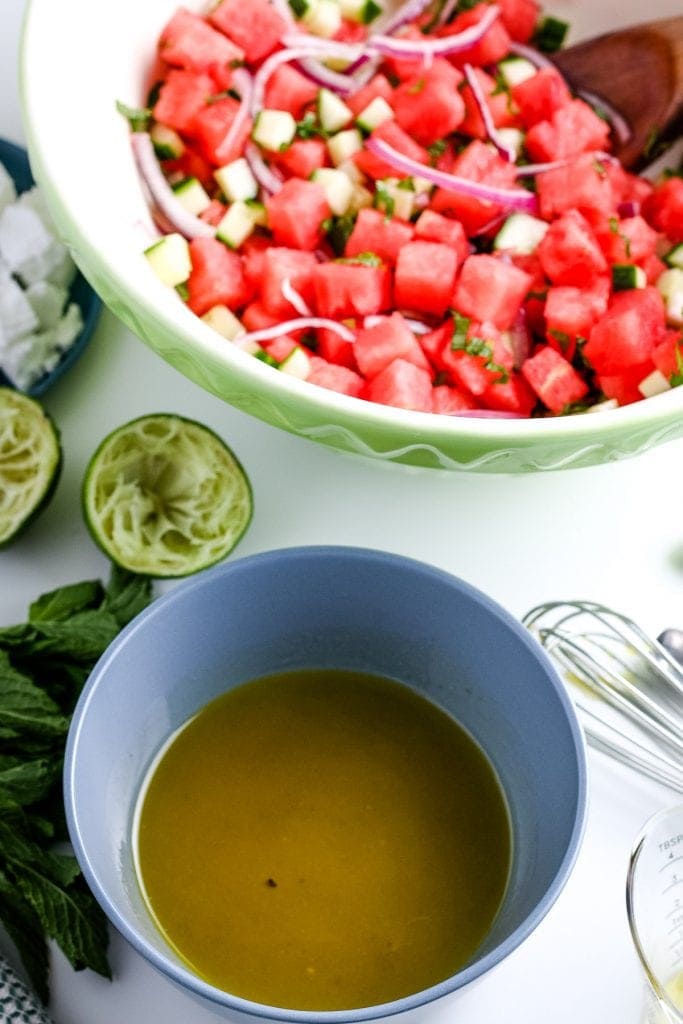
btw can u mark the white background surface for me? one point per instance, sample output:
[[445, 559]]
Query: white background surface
[[612, 534]]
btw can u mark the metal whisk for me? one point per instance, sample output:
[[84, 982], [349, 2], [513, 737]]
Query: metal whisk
[[627, 687]]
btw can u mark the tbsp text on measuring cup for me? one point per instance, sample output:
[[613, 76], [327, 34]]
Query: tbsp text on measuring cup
[[654, 901]]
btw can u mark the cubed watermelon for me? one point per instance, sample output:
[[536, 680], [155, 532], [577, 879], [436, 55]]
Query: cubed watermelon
[[210, 127], [511, 395], [493, 45], [573, 129], [374, 232], [217, 277], [253, 253], [181, 96], [404, 385], [569, 252], [428, 105], [351, 289], [628, 333], [664, 208], [287, 89], [623, 387], [188, 41], [336, 378], [389, 339], [553, 379], [450, 401], [503, 113], [424, 277], [583, 185], [519, 17], [434, 227], [281, 264], [296, 214], [335, 349], [668, 356], [627, 240], [491, 290], [571, 312], [391, 133], [255, 25], [303, 157], [537, 98], [477, 162], [363, 97]]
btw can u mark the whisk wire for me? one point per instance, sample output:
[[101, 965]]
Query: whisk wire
[[618, 663]]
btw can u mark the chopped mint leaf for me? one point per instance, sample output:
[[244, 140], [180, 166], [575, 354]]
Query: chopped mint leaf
[[138, 117], [550, 34]]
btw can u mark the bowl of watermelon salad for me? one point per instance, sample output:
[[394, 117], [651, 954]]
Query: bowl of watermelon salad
[[394, 231]]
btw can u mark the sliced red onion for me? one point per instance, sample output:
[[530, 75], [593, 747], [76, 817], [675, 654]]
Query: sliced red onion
[[301, 323], [447, 12], [306, 46], [529, 170], [631, 208], [488, 414], [295, 299], [406, 13], [511, 199], [532, 55], [335, 81], [417, 49], [416, 326], [478, 93], [285, 11], [172, 210], [617, 122], [268, 179], [244, 84], [520, 339]]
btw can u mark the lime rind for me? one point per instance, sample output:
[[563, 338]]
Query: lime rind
[[164, 496], [30, 462]]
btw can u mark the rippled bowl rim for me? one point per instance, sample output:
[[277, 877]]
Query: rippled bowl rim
[[371, 429]]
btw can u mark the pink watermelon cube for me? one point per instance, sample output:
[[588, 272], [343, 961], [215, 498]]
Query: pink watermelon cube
[[553, 379], [255, 25], [404, 385], [425, 274], [491, 290], [296, 214], [390, 339]]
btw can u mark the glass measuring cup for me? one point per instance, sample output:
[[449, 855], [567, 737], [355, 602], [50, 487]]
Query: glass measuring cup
[[654, 902]]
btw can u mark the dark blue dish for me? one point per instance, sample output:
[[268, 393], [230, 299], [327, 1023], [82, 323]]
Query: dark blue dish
[[16, 161]]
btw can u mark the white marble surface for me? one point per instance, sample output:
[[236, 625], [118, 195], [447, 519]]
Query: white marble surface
[[613, 534]]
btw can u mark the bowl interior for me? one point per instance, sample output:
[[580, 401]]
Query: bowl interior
[[16, 161], [343, 608], [98, 202]]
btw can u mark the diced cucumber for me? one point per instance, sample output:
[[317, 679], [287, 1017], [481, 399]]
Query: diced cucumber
[[514, 70], [337, 186], [192, 194], [236, 181], [654, 384], [674, 257], [422, 185], [169, 258], [521, 233], [258, 213], [626, 276], [323, 18], [360, 199], [361, 11], [550, 34], [343, 145], [392, 196], [352, 171], [333, 114], [376, 113], [274, 129], [513, 138], [224, 321], [167, 143], [236, 225], [299, 7], [670, 287], [296, 364]]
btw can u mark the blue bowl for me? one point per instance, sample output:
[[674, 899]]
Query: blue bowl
[[337, 607], [16, 162]]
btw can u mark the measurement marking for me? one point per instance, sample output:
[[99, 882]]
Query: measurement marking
[[676, 944], [674, 910], [676, 881], [676, 928], [672, 861]]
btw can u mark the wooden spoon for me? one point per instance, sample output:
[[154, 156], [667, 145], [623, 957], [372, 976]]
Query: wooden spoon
[[638, 71]]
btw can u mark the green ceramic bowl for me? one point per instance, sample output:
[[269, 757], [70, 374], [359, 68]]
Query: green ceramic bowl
[[80, 155]]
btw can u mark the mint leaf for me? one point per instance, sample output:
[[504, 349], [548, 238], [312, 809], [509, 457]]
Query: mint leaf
[[25, 708], [26, 781], [60, 604], [126, 595], [24, 929]]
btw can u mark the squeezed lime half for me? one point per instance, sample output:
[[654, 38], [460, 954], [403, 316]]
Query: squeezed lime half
[[30, 462], [164, 496]]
